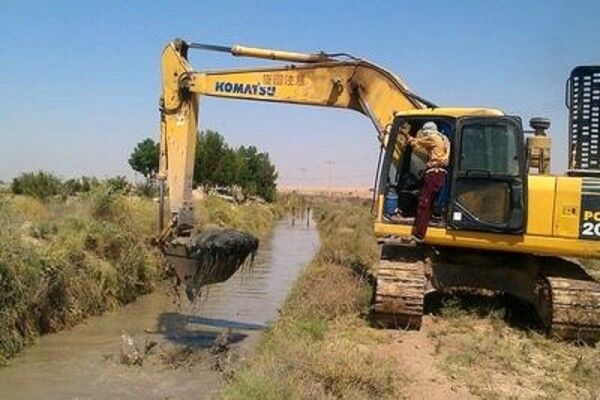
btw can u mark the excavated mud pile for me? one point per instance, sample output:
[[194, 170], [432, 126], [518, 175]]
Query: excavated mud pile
[[219, 253]]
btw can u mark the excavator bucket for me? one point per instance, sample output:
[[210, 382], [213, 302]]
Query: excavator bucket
[[211, 257]]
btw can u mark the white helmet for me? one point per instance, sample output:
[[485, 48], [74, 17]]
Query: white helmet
[[429, 127]]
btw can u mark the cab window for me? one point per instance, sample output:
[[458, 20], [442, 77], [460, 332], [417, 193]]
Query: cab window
[[489, 148]]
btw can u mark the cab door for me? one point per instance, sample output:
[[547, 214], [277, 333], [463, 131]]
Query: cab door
[[489, 177]]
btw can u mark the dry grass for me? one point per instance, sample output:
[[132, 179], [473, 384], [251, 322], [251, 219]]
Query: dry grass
[[321, 346], [253, 218], [593, 267], [64, 260], [350, 296], [498, 360], [494, 347]]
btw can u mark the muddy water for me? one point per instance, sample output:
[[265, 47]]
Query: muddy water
[[83, 363]]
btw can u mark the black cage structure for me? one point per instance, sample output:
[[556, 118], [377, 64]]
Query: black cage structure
[[583, 102]]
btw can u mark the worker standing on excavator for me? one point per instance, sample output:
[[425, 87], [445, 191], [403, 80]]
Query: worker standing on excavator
[[437, 148]]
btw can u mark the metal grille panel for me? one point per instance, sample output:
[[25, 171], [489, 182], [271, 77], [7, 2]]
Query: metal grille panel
[[583, 101]]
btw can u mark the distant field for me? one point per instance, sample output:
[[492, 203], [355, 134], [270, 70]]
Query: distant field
[[358, 192]]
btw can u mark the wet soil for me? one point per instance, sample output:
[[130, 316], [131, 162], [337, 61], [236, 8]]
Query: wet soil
[[187, 350]]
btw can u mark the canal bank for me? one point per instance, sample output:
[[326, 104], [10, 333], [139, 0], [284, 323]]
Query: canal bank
[[84, 362]]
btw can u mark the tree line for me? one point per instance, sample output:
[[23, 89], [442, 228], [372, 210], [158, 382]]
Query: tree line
[[45, 185], [217, 164]]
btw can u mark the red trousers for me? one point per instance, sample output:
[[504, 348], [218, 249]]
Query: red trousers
[[434, 180]]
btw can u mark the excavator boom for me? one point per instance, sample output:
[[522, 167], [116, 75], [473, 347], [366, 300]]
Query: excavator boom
[[327, 80], [319, 79]]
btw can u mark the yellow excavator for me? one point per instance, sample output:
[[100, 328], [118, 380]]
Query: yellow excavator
[[501, 221]]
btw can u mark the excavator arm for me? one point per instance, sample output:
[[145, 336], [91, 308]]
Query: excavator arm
[[317, 79]]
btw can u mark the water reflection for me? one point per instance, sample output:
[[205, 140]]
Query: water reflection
[[187, 329]]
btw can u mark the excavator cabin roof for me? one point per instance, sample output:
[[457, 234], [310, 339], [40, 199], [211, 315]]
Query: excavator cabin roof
[[454, 112]]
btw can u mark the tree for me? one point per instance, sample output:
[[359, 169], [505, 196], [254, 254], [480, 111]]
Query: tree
[[219, 165], [258, 175], [216, 163], [144, 158]]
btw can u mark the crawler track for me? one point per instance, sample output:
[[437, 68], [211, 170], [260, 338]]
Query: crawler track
[[399, 294], [574, 309], [566, 298]]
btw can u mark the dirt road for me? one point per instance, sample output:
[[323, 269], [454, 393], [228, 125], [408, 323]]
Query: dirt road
[[417, 359]]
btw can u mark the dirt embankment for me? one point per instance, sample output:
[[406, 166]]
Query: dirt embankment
[[470, 346], [63, 260]]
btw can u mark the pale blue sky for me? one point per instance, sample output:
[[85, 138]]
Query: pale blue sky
[[80, 79]]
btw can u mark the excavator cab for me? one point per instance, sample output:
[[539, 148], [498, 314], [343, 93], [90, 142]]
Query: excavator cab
[[486, 183], [489, 176]]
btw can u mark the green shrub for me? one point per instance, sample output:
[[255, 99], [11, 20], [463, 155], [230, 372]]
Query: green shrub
[[104, 202], [41, 185], [147, 188], [72, 186], [88, 183], [117, 184]]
